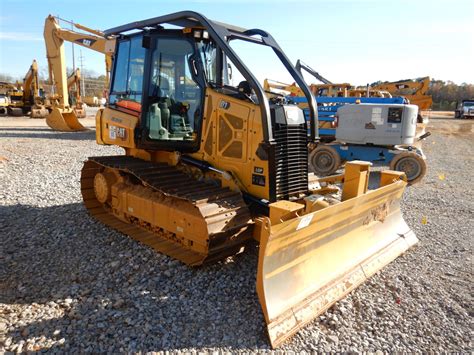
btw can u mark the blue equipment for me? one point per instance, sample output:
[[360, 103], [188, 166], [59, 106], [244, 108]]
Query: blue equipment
[[366, 117]]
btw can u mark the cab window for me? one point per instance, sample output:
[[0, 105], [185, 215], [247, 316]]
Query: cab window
[[129, 68], [174, 96]]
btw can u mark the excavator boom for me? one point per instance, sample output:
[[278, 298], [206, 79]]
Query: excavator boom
[[63, 117], [31, 84]]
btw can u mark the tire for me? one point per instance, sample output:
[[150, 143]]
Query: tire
[[411, 164], [457, 114], [324, 160], [15, 111]]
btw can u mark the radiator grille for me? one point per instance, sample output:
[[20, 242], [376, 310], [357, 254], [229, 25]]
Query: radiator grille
[[291, 161]]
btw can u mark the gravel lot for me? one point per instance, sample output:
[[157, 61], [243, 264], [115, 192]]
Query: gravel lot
[[71, 284]]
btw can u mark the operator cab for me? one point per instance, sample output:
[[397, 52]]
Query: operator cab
[[161, 76]]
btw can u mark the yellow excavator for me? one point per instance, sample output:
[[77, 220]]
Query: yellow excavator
[[62, 117], [23, 96], [327, 88], [74, 89], [209, 165], [415, 90], [44, 105]]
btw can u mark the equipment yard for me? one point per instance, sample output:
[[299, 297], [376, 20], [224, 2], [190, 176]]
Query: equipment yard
[[70, 283]]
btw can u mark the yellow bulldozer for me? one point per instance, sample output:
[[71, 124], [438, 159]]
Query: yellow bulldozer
[[62, 115], [209, 165]]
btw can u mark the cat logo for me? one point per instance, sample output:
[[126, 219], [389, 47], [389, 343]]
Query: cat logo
[[86, 41]]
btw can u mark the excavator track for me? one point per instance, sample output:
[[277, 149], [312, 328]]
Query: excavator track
[[161, 187]]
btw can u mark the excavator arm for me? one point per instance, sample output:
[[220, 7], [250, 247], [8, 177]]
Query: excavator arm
[[95, 41], [62, 117]]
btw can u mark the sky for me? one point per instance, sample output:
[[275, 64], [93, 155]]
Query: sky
[[355, 41]]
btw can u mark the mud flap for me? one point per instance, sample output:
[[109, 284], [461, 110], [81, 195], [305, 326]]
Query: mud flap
[[308, 263], [64, 120]]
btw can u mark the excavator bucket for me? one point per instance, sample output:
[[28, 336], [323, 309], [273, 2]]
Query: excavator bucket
[[64, 120], [308, 263]]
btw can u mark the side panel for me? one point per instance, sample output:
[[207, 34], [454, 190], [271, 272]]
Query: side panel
[[115, 127], [232, 132]]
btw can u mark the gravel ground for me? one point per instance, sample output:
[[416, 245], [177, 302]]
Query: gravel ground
[[71, 284]]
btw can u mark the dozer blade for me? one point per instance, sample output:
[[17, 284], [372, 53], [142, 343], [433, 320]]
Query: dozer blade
[[64, 120], [308, 263]]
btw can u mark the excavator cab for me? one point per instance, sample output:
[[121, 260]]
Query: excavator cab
[[211, 161]]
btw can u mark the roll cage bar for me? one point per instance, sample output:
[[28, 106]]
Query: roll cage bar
[[222, 33]]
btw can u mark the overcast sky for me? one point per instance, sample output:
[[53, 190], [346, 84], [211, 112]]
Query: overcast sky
[[355, 41]]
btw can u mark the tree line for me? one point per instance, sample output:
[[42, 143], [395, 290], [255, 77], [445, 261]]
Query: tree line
[[446, 94]]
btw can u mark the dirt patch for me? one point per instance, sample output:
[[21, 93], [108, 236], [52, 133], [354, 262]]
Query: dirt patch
[[446, 127], [438, 114]]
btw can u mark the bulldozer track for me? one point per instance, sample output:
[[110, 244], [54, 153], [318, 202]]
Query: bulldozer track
[[224, 211]]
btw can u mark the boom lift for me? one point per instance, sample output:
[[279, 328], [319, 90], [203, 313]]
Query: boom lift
[[209, 165], [62, 116], [300, 66], [351, 133]]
